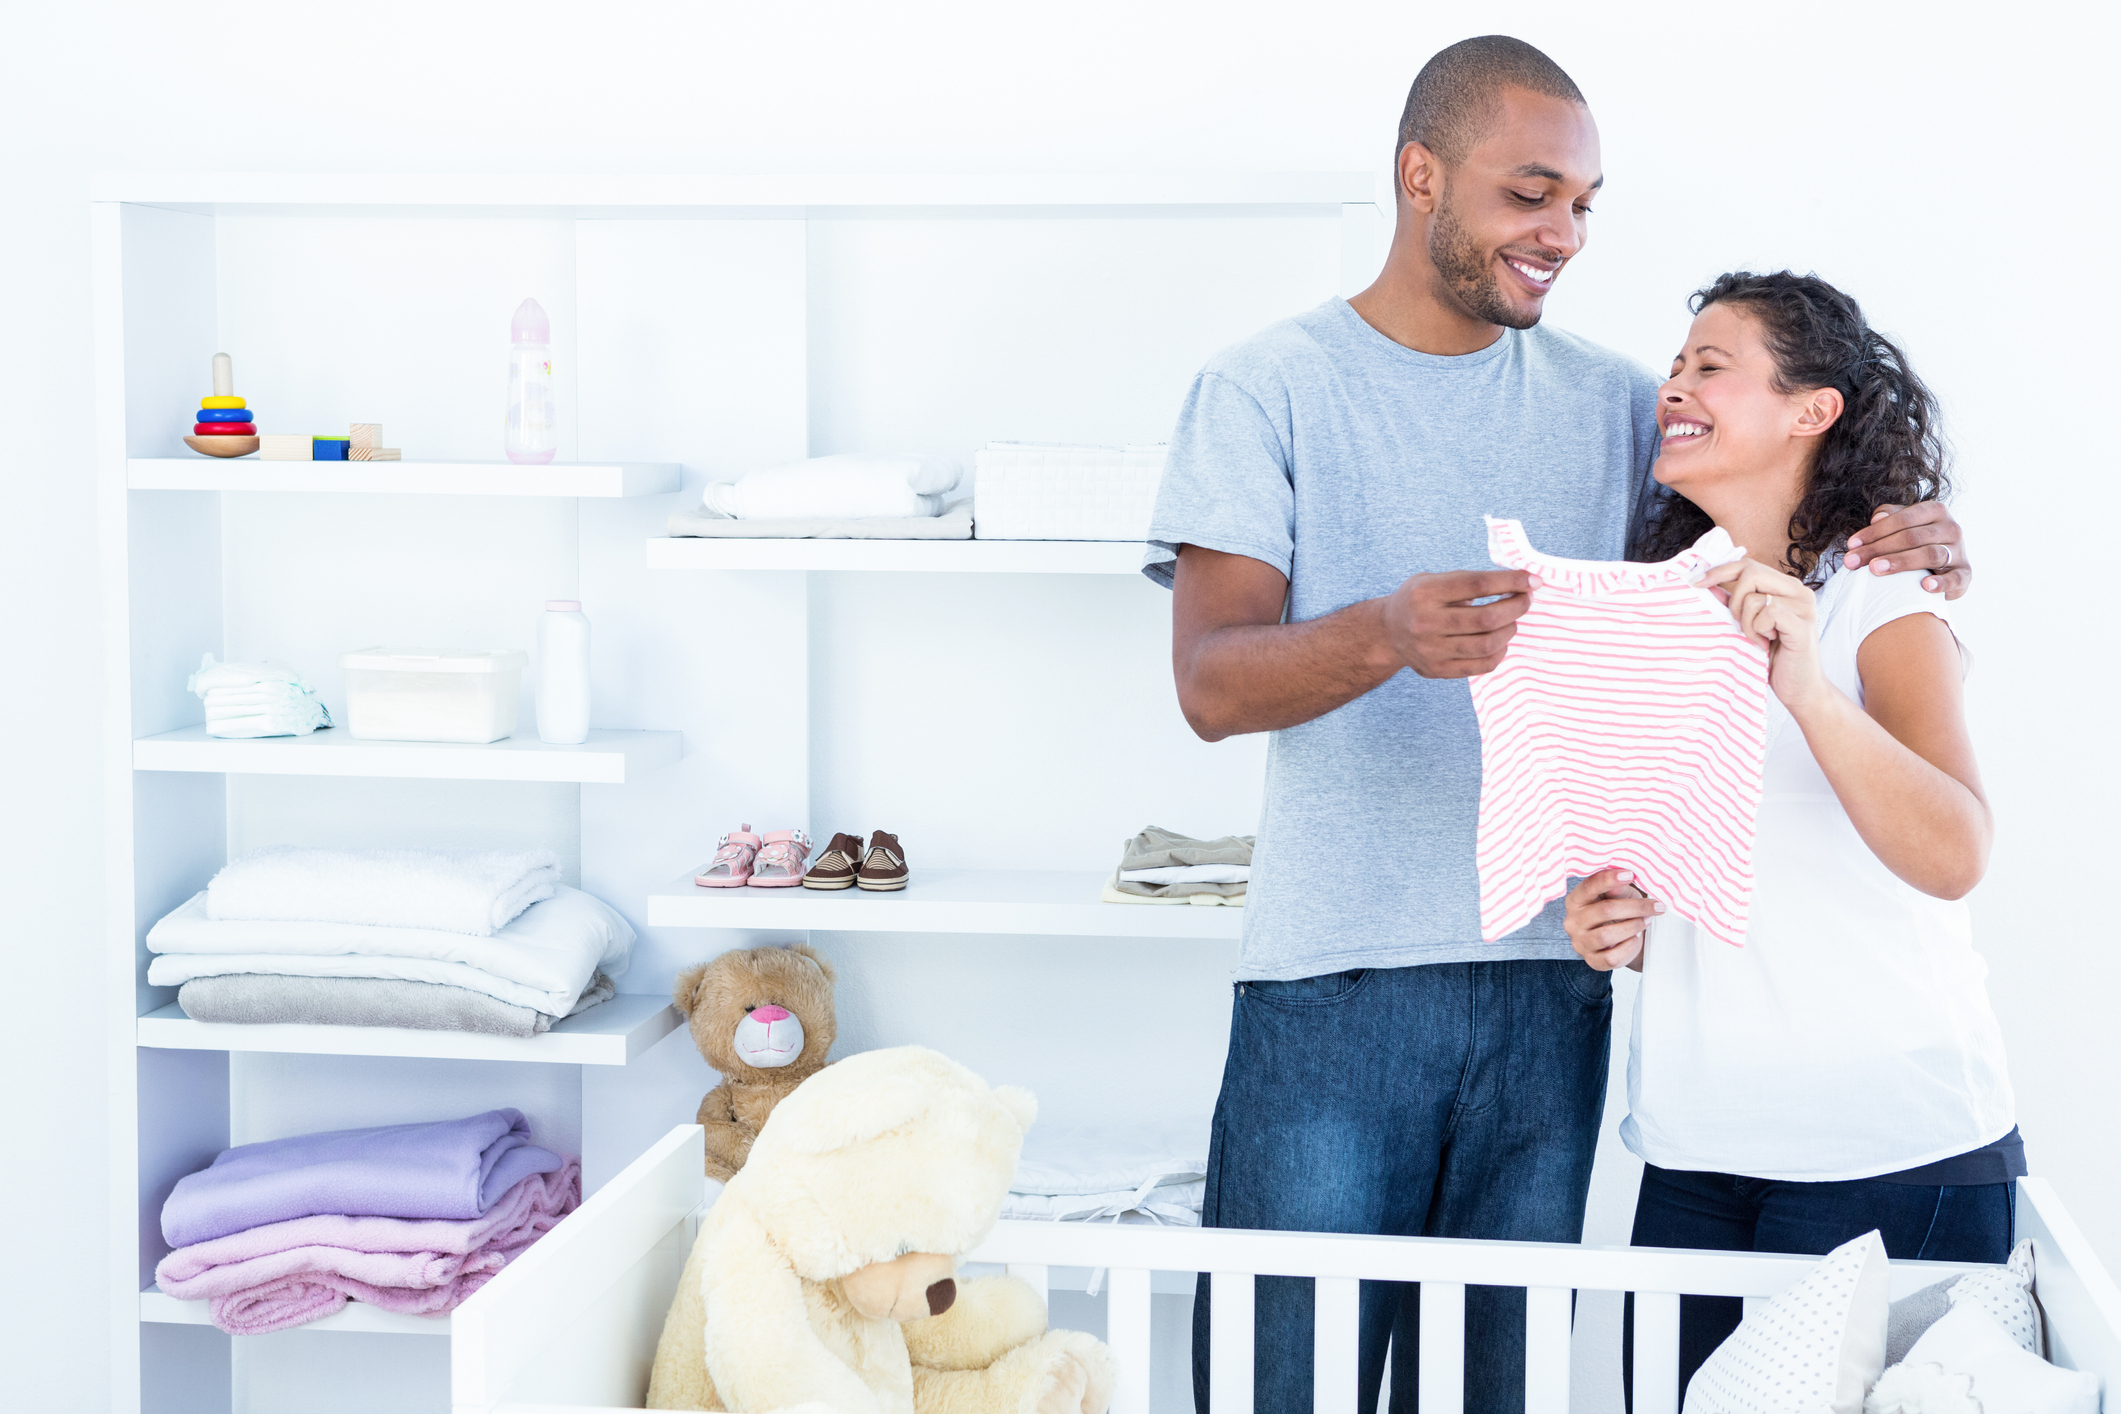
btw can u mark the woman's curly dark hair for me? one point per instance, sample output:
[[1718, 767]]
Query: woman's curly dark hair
[[1887, 445]]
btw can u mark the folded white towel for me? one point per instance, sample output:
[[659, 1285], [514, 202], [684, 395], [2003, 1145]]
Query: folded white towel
[[847, 486], [174, 969], [1189, 874], [552, 948], [1103, 1159], [1176, 1204], [454, 891]]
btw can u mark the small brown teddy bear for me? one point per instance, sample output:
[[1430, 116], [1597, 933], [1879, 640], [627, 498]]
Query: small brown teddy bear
[[763, 1019]]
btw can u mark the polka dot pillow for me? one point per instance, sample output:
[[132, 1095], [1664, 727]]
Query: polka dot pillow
[[1816, 1347], [2005, 1293]]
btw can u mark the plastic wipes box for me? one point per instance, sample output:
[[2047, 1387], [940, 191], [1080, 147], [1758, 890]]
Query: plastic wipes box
[[410, 694]]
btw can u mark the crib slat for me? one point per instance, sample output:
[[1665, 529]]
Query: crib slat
[[1546, 1350], [1656, 1352], [1035, 1277], [1230, 1343], [1127, 1332], [1442, 1388], [1336, 1346]]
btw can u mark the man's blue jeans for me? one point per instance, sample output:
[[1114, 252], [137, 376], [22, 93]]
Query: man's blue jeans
[[1453, 1100]]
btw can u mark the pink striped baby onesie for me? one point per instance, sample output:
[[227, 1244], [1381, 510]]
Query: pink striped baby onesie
[[1626, 727]]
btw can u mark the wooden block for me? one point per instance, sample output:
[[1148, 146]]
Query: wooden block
[[365, 434], [283, 447], [385, 454]]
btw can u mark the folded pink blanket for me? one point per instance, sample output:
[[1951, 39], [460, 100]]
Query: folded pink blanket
[[288, 1273]]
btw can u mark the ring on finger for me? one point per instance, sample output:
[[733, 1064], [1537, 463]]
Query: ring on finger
[[1947, 557]]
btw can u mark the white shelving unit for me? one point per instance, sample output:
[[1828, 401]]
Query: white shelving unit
[[1054, 903], [608, 758], [604, 480], [703, 325], [1122, 557]]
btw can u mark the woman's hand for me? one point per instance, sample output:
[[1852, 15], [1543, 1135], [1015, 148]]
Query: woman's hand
[[1781, 614], [1605, 916]]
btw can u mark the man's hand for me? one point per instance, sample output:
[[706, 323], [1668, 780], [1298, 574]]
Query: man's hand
[[1923, 537], [1435, 628]]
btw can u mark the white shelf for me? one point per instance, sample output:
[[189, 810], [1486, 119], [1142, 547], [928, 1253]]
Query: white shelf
[[607, 758], [1050, 903], [606, 479], [356, 1316], [611, 1034], [932, 556], [782, 194]]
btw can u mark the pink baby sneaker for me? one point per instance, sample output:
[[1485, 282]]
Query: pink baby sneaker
[[731, 866], [780, 862]]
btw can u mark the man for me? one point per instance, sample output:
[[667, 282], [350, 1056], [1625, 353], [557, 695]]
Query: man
[[1388, 1071]]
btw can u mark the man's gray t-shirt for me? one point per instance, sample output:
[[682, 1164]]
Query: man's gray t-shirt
[[1349, 462]]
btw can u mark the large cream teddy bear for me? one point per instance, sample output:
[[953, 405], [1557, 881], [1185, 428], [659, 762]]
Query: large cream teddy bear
[[825, 1276]]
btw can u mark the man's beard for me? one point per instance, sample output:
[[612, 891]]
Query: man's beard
[[1457, 255]]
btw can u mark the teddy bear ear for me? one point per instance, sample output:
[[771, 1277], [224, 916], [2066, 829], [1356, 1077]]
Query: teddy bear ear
[[817, 957], [1021, 1104], [686, 986]]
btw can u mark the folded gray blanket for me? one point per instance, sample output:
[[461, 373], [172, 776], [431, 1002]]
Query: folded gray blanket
[[264, 999], [1159, 848], [955, 523]]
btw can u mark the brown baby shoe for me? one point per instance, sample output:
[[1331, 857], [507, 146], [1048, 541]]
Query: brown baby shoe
[[835, 868], [884, 868]]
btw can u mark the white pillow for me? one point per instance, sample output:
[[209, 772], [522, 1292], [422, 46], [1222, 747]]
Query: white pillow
[[2006, 1293], [2007, 1379], [1818, 1346]]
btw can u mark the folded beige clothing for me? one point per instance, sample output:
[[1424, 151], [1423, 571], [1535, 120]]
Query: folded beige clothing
[[955, 523], [1159, 848], [265, 999], [1118, 892]]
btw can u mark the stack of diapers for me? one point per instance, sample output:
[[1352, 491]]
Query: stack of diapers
[[1154, 1173], [1164, 866], [850, 496], [256, 699], [434, 940], [411, 1217]]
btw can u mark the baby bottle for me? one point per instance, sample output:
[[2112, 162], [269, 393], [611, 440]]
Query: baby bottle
[[531, 436]]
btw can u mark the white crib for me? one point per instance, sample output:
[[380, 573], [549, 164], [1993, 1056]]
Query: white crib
[[572, 1325]]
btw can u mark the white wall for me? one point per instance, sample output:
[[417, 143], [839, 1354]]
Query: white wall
[[1953, 175]]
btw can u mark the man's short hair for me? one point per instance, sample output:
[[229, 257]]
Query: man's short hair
[[1457, 96]]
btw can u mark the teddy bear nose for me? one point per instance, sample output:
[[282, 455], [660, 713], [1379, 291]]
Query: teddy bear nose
[[769, 1012], [941, 1295]]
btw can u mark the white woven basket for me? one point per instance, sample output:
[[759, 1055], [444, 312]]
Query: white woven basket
[[1058, 491]]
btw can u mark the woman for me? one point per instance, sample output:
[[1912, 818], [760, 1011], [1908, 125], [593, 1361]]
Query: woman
[[1842, 1071]]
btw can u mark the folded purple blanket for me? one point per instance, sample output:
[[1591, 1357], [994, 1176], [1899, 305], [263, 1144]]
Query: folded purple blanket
[[454, 1169], [290, 1273]]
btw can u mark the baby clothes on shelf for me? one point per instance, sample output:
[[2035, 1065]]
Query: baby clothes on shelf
[[412, 1218], [270, 998], [455, 890], [1626, 727], [256, 699], [847, 486], [1163, 866], [552, 960], [1154, 1172]]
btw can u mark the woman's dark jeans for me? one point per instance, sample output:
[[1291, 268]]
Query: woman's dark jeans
[[1451, 1100], [1726, 1213]]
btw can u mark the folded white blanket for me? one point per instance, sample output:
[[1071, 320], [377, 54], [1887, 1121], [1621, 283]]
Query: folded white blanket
[[1109, 1158], [543, 959], [1176, 1204], [174, 969], [848, 486], [454, 890], [1189, 874]]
